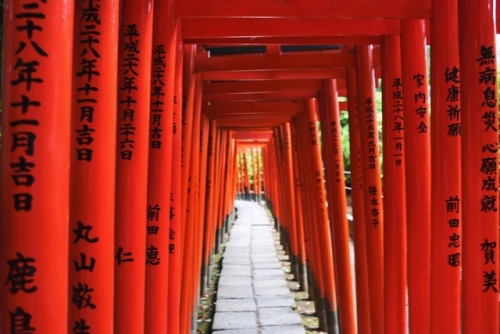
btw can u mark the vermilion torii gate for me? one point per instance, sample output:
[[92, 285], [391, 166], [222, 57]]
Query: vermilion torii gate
[[124, 134]]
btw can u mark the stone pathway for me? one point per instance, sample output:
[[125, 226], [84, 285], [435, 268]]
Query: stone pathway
[[253, 295]]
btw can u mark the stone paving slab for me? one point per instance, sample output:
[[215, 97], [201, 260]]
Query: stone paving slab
[[235, 270], [236, 305], [272, 291], [296, 329], [240, 291], [278, 316], [229, 280], [253, 295], [270, 283], [273, 301], [234, 320], [239, 331], [268, 273]]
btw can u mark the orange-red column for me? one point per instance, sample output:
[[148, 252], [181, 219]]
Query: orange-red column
[[93, 152], [418, 173], [175, 215], [394, 189], [134, 81], [160, 168], [336, 194], [35, 162], [446, 173], [478, 68], [372, 190], [360, 262], [319, 195]]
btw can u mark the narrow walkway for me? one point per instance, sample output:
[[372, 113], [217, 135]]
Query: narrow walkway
[[253, 295]]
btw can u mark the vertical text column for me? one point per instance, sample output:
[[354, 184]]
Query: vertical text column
[[35, 166], [478, 68], [92, 223]]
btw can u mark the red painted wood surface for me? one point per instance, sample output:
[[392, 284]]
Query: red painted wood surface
[[479, 183], [446, 186], [418, 172], [35, 160], [134, 82], [93, 152], [394, 189], [372, 190]]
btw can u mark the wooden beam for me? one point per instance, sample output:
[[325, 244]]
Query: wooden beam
[[314, 8], [297, 74], [273, 62], [202, 28]]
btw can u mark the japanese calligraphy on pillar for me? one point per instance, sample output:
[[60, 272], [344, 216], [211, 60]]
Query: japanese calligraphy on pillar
[[29, 54], [372, 135], [421, 103], [318, 176], [86, 95], [28, 19], [89, 40], [337, 155], [153, 216], [398, 129], [489, 160], [453, 112], [157, 95], [126, 130], [453, 211]]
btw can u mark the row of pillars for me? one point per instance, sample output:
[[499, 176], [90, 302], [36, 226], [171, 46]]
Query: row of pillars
[[425, 234], [114, 186]]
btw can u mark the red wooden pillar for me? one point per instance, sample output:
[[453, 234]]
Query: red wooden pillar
[[160, 167], [336, 194], [394, 189], [326, 257], [210, 221], [203, 220], [418, 178], [479, 167], [134, 82], [175, 214], [290, 190], [93, 152], [372, 190], [360, 262], [446, 171], [191, 192], [302, 251], [35, 166]]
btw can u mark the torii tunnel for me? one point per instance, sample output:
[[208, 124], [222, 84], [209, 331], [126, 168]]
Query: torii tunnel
[[130, 127]]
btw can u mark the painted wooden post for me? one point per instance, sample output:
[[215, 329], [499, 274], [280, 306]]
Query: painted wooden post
[[175, 214], [360, 261], [303, 252], [446, 184], [394, 188], [34, 233], [372, 190], [289, 178], [134, 82], [326, 257], [418, 172], [160, 167], [93, 151], [312, 243], [479, 100], [191, 192], [336, 194]]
